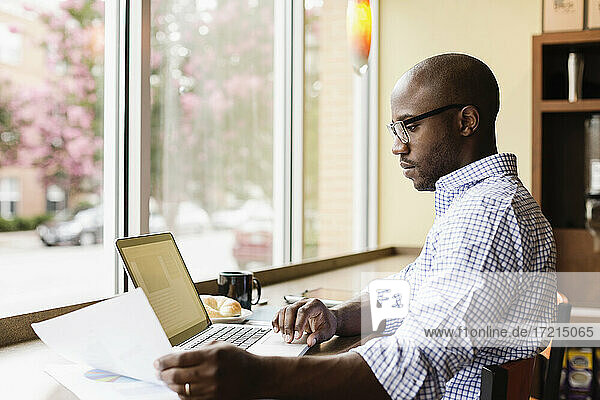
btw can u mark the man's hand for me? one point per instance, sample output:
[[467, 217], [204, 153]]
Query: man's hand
[[307, 315], [217, 370]]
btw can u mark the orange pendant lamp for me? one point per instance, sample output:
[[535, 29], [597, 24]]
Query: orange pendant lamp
[[358, 29]]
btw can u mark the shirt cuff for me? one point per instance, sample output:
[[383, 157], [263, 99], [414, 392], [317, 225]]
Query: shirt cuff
[[397, 366]]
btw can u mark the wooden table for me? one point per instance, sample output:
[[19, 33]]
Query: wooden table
[[22, 365]]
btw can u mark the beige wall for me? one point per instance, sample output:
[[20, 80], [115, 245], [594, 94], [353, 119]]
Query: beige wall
[[497, 32]]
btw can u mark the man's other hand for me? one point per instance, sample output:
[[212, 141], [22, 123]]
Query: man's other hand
[[215, 371], [307, 315]]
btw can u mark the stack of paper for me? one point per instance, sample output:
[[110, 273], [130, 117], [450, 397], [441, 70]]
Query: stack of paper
[[121, 335]]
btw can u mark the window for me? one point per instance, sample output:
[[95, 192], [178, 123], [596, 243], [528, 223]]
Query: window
[[11, 44], [228, 144], [9, 197], [51, 155], [55, 199], [212, 131]]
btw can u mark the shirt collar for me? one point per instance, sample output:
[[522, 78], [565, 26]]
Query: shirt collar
[[450, 185]]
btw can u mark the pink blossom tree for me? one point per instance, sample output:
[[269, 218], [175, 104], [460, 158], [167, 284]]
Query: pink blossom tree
[[212, 72], [212, 76], [56, 126]]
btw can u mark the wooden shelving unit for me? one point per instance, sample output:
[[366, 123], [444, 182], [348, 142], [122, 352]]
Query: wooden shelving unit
[[588, 105], [558, 142]]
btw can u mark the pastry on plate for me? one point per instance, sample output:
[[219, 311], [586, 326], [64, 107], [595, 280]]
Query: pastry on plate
[[221, 306]]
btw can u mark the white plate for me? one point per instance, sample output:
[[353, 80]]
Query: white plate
[[233, 320]]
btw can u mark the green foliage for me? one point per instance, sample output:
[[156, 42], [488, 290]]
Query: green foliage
[[7, 225], [23, 224]]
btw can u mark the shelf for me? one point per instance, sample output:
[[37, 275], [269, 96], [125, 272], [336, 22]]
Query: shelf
[[568, 37], [586, 105], [558, 142]]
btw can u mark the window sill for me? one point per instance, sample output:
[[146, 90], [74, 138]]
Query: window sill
[[17, 329]]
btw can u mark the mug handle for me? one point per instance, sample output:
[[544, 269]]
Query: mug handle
[[257, 284]]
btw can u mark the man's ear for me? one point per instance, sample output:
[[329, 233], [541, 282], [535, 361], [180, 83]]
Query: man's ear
[[469, 120]]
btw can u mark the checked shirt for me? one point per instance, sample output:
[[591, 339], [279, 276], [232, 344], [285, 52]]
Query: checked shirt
[[488, 234]]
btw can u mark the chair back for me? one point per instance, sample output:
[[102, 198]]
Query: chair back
[[537, 377], [508, 381]]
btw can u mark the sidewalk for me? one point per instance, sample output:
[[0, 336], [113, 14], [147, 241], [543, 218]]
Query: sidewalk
[[22, 240]]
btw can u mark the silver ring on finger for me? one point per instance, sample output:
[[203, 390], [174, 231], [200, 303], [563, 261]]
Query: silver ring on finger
[[187, 389]]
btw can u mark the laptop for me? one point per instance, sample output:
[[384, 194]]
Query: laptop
[[154, 263]]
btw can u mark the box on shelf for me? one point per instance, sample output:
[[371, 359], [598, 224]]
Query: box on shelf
[[562, 15], [593, 14], [577, 376]]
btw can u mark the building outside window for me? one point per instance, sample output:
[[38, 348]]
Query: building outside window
[[51, 143], [11, 45]]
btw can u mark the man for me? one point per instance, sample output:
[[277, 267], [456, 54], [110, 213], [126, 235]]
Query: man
[[444, 111]]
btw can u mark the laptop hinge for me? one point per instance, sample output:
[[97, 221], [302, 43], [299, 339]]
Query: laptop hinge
[[193, 337]]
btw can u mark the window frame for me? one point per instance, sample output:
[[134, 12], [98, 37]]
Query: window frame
[[372, 226], [127, 147], [135, 189], [297, 139], [282, 75], [115, 37]]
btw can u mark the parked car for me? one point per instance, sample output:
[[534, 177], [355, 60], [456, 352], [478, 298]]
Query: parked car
[[253, 244], [83, 228]]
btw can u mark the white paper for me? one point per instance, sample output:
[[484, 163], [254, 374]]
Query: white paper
[[88, 384], [121, 335]]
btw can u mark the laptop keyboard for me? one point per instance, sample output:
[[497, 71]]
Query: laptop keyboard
[[242, 337]]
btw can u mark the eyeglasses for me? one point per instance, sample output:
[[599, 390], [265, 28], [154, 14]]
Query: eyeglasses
[[399, 130]]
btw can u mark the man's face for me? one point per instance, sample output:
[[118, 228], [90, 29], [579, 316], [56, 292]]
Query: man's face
[[433, 147]]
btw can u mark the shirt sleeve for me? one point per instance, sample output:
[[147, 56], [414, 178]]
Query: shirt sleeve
[[454, 292], [405, 274], [391, 324]]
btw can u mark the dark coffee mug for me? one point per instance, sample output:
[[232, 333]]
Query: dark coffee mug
[[238, 286]]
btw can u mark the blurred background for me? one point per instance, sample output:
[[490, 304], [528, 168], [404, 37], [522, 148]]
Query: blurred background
[[212, 77]]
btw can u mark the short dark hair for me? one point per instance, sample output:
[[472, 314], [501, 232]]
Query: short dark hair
[[460, 79]]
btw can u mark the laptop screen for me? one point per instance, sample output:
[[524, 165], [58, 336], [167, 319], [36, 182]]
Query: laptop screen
[[155, 264]]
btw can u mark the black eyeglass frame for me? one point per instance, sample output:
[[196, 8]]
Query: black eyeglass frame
[[404, 132]]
